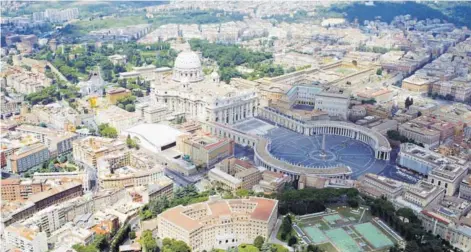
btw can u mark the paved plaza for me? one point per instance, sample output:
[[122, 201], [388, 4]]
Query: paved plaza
[[307, 151]]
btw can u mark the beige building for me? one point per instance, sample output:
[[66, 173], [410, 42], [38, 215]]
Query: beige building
[[427, 136], [423, 193], [117, 118], [377, 186], [26, 82], [447, 176], [205, 150], [130, 179], [88, 150], [233, 174], [219, 223], [272, 181], [114, 94], [418, 84]]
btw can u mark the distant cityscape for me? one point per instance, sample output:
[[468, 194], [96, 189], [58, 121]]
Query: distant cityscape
[[235, 126]]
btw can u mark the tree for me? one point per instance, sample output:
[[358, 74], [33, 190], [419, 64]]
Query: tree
[[172, 245], [147, 241], [292, 240], [379, 71], [412, 246], [286, 227], [407, 103], [258, 242], [242, 193], [130, 108], [355, 63], [106, 130], [132, 235]]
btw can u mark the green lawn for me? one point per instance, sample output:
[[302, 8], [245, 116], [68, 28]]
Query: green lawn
[[85, 26], [327, 247], [247, 248], [279, 248]]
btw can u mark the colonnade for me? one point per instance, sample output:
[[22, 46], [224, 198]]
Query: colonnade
[[374, 139], [226, 132]]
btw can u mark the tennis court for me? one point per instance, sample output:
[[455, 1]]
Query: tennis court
[[342, 240], [315, 234], [373, 235], [332, 218]]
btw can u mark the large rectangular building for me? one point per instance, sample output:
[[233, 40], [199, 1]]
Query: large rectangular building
[[233, 174], [448, 176], [429, 137], [377, 186], [58, 142], [21, 189], [21, 238], [423, 193], [336, 105], [423, 161], [88, 150], [205, 150], [28, 157], [219, 223]]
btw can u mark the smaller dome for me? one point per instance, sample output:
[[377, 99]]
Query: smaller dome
[[214, 75]]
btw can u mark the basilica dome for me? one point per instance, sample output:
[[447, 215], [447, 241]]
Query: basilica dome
[[187, 66]]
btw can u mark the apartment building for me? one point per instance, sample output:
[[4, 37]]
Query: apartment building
[[88, 150], [121, 178], [58, 142], [39, 201], [21, 189], [27, 157], [19, 237], [26, 82]]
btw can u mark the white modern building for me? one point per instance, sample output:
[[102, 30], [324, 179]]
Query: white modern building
[[424, 161], [202, 97]]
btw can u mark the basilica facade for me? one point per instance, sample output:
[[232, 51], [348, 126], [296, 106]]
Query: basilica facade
[[186, 89]]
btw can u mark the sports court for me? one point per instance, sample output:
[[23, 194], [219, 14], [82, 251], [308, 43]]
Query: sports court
[[332, 218], [343, 240], [373, 235], [315, 235], [345, 229]]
